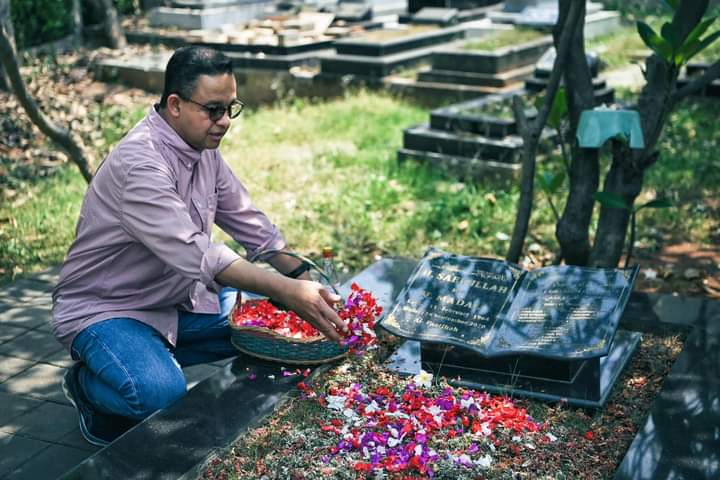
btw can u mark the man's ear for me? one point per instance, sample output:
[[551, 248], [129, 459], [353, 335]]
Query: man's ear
[[173, 105]]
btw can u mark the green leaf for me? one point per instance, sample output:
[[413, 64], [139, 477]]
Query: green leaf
[[699, 30], [655, 42], [557, 181], [673, 4], [698, 47], [551, 183], [668, 34], [559, 108], [657, 203], [611, 200]]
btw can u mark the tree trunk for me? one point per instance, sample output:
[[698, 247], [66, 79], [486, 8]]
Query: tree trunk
[[627, 170], [573, 229], [626, 181], [113, 30], [62, 137], [77, 23], [657, 100], [531, 133], [6, 23]]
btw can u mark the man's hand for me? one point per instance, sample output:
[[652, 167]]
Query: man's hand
[[308, 299], [314, 303]]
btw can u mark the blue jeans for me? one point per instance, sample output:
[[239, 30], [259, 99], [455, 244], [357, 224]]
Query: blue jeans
[[132, 371]]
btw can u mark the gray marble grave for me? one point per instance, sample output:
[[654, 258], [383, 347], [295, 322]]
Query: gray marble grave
[[543, 68], [549, 333], [476, 139], [543, 14], [378, 53], [206, 14], [436, 16], [417, 5], [373, 8]]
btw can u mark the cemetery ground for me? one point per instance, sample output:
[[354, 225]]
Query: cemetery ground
[[326, 173]]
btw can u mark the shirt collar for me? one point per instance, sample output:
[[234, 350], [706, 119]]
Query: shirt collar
[[187, 155]]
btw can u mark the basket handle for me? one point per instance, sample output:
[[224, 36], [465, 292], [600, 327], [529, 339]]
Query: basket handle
[[306, 265]]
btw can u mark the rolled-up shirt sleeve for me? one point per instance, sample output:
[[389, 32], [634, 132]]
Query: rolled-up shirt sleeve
[[240, 219], [154, 214]]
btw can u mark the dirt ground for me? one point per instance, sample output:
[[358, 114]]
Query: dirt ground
[[686, 269]]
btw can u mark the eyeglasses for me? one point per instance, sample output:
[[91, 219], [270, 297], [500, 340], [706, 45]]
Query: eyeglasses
[[217, 111]]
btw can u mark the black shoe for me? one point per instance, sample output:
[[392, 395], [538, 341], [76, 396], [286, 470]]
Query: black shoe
[[98, 428]]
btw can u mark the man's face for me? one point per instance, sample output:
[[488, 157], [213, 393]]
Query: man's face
[[193, 121]]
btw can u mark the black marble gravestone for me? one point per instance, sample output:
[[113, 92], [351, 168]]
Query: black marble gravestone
[[550, 333]]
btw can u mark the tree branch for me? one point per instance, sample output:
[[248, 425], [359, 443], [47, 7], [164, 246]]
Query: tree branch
[[57, 134], [697, 83], [531, 134]]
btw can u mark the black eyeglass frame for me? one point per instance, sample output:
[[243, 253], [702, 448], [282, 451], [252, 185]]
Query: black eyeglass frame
[[216, 112]]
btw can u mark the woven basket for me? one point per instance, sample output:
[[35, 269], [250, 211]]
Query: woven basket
[[267, 344]]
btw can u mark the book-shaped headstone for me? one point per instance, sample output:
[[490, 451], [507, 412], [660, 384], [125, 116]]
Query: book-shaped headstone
[[555, 324]]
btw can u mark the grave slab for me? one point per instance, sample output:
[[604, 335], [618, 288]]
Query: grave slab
[[455, 58], [465, 144], [197, 373], [585, 384], [175, 41], [207, 17], [544, 16], [371, 68], [416, 5], [378, 7], [368, 46], [645, 311], [211, 416], [476, 116], [436, 16], [504, 79], [680, 436], [434, 95], [468, 169]]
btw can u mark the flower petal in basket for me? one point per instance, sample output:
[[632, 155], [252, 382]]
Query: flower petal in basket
[[262, 342]]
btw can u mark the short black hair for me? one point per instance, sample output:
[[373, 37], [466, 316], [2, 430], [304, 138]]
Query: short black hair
[[186, 65]]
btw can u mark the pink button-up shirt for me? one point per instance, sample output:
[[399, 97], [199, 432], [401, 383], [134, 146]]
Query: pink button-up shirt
[[143, 244]]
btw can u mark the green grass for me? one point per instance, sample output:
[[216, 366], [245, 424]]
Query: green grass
[[326, 173], [620, 48], [37, 233], [387, 35], [624, 46], [37, 229], [502, 39]]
